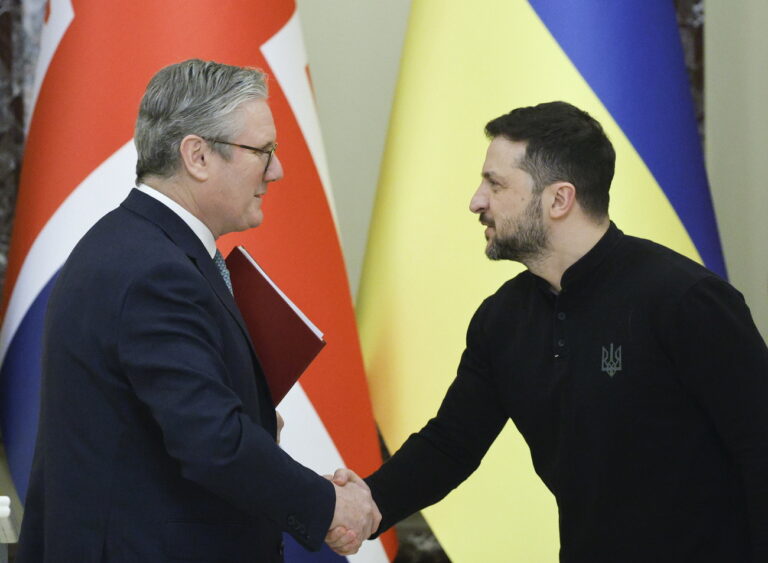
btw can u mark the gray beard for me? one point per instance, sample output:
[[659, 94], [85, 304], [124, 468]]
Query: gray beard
[[528, 241]]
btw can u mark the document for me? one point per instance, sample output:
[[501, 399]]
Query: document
[[286, 341]]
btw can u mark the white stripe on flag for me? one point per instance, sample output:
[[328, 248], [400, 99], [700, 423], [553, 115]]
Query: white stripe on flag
[[99, 193], [287, 57]]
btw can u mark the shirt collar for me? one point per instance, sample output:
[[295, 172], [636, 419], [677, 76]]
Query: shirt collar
[[580, 270], [197, 226]]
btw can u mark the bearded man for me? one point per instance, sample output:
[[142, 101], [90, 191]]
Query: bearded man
[[635, 375]]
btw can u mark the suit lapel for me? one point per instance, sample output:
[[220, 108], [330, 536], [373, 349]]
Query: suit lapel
[[180, 233]]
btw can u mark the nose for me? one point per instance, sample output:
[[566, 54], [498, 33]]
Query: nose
[[275, 170], [479, 201]]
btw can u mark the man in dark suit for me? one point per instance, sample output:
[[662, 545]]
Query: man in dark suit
[[157, 437]]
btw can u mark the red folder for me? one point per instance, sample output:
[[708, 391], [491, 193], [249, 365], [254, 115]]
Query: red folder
[[285, 340]]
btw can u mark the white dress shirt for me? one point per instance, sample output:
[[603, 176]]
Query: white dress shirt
[[198, 227]]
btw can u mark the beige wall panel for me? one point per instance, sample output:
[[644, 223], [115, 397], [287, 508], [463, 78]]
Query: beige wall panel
[[354, 49], [736, 110]]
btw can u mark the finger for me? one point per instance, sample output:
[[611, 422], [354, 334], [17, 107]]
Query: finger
[[342, 547], [344, 541], [340, 477], [348, 548], [352, 548], [335, 535], [357, 480], [343, 475], [348, 551]]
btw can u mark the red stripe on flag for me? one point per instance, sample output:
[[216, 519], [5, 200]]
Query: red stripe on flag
[[88, 101]]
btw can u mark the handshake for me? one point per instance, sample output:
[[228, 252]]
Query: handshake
[[356, 516]]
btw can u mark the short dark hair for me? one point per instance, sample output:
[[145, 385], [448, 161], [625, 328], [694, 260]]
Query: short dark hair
[[564, 144]]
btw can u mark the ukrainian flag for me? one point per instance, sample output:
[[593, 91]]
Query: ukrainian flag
[[426, 272]]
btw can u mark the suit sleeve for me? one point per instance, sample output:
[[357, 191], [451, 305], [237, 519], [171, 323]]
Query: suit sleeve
[[170, 349], [723, 361], [434, 461]]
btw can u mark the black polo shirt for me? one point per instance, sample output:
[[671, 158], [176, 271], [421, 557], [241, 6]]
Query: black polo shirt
[[642, 392]]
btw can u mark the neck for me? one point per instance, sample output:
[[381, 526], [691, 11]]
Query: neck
[[181, 193], [568, 243]]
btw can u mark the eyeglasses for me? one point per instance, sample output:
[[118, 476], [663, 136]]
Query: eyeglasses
[[269, 152]]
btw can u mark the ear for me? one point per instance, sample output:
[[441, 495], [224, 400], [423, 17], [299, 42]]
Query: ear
[[563, 196], [195, 157]]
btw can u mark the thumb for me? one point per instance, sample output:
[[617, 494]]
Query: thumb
[[342, 476]]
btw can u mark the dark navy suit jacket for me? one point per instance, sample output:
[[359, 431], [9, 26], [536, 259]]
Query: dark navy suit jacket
[[157, 432]]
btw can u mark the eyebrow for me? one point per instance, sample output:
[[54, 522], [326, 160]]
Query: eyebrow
[[490, 175]]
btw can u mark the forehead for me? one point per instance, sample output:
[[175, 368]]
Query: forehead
[[504, 155], [256, 122]]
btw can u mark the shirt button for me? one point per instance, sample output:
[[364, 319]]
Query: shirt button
[[561, 343], [561, 316]]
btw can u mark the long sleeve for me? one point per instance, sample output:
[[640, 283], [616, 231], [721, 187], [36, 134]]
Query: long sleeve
[[170, 349], [450, 447], [723, 361]]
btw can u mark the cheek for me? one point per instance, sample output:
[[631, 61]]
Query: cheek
[[502, 208]]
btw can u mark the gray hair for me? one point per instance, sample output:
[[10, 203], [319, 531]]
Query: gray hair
[[191, 97]]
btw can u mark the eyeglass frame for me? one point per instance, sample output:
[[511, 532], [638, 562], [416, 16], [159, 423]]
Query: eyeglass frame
[[256, 150]]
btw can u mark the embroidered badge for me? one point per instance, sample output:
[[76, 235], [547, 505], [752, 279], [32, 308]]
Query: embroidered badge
[[611, 360]]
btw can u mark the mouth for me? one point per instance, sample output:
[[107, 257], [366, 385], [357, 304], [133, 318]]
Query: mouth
[[490, 226]]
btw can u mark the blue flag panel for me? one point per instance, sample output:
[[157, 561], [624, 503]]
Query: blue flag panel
[[630, 54]]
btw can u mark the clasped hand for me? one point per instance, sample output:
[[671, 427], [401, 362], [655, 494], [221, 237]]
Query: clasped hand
[[356, 516]]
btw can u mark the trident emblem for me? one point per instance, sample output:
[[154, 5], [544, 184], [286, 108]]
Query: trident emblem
[[611, 360]]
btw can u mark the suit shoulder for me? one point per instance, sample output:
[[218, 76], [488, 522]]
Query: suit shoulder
[[121, 238], [119, 249], [123, 229]]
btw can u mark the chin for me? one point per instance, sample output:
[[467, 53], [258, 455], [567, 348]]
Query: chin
[[256, 220], [246, 224]]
